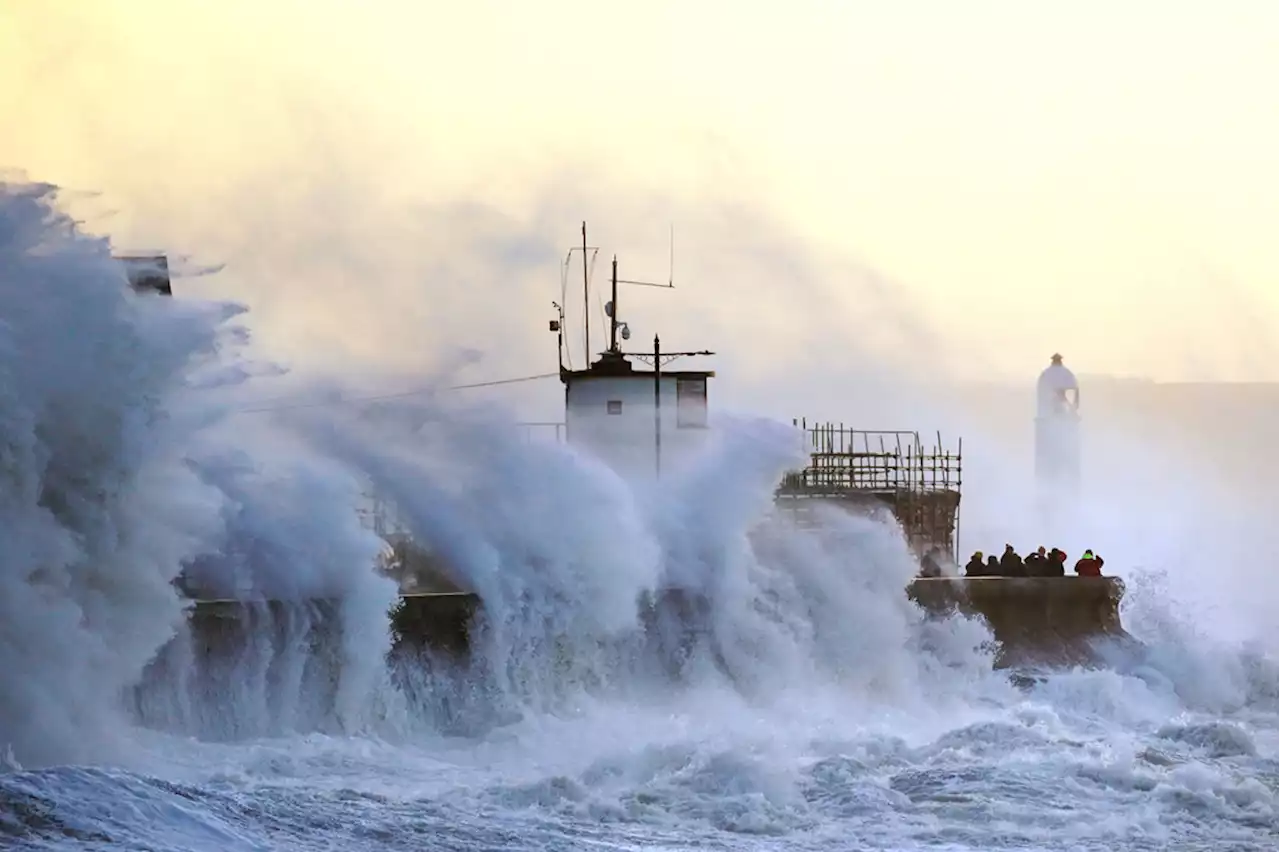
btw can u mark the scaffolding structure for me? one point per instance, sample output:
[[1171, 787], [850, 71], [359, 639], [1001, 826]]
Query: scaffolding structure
[[534, 430], [864, 469]]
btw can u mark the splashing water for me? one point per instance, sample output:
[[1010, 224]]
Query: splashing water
[[98, 508], [804, 702]]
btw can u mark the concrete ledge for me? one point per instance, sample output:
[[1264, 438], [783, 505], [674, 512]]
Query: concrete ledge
[[1036, 620], [437, 620]]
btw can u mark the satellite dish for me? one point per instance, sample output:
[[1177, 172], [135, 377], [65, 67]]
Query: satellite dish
[[625, 331], [608, 309]]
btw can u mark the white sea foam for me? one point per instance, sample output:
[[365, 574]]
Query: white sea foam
[[813, 704]]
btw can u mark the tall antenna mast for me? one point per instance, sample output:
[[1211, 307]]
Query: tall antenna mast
[[586, 300], [616, 327], [613, 309]]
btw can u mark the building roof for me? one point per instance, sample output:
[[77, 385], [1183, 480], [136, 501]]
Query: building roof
[[614, 365]]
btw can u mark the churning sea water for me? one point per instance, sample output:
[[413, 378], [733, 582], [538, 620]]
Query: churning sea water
[[815, 709]]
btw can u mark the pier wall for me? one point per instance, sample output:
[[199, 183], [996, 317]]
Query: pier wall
[[1035, 620]]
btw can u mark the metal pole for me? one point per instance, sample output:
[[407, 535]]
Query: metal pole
[[586, 300], [613, 311], [657, 407]]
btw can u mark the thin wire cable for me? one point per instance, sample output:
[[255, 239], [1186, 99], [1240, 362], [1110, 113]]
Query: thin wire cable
[[400, 395]]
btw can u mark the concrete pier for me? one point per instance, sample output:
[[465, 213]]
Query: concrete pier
[[440, 621], [1053, 621], [1035, 621]]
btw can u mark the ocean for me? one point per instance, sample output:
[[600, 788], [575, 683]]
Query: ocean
[[813, 707]]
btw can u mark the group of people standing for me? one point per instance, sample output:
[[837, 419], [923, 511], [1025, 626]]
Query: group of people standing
[[1036, 564]]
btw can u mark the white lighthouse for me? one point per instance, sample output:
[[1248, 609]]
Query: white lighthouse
[[1057, 430], [638, 421]]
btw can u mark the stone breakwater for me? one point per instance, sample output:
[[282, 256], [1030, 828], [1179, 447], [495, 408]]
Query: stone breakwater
[[1055, 621], [293, 651], [1034, 621]]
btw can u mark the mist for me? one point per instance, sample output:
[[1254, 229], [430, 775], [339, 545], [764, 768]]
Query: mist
[[381, 236], [888, 216], [363, 178]]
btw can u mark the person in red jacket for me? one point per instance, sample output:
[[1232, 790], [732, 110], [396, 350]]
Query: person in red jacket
[[1089, 565]]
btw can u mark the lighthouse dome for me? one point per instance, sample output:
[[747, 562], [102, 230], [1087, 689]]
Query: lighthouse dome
[[1057, 391]]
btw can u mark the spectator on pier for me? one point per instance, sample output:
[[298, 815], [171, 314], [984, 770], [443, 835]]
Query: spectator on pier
[[1011, 563], [993, 566], [1089, 565], [1056, 565], [1036, 563], [931, 564], [976, 567]]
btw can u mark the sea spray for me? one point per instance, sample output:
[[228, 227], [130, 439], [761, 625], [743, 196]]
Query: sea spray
[[567, 555], [705, 514], [593, 582], [574, 562], [97, 512], [295, 551], [120, 473], [551, 541], [893, 731]]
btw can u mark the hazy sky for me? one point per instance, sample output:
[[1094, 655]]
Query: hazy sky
[[982, 183], [871, 200]]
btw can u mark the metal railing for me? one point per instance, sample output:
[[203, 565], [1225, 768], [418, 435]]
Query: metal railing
[[532, 430], [846, 459]]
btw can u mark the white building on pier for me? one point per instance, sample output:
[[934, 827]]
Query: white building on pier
[[636, 421]]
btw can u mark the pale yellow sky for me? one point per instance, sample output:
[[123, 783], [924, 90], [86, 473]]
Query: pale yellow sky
[[983, 182], [867, 197]]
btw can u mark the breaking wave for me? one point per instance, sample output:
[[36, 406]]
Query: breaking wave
[[799, 694]]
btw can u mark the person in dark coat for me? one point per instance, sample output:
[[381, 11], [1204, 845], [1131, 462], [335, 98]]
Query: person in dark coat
[[930, 565], [975, 567], [1056, 564], [1037, 563], [1011, 563], [993, 566]]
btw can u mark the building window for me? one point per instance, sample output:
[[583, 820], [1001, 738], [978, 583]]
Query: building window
[[691, 403], [614, 406]]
